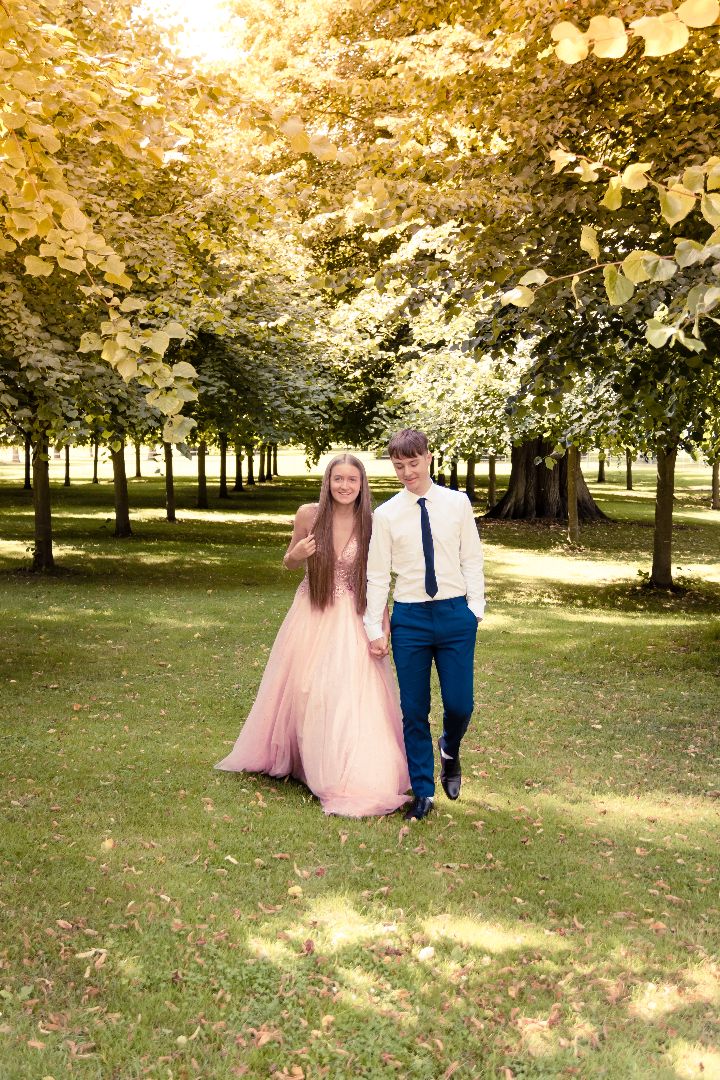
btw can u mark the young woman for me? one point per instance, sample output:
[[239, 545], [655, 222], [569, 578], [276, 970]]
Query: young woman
[[327, 712]]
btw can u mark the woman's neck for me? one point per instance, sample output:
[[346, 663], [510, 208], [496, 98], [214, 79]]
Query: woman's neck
[[343, 513]]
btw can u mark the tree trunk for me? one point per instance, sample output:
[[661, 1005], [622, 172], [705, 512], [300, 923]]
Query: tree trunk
[[138, 470], [249, 452], [661, 573], [432, 468], [470, 478], [238, 485], [66, 482], [441, 479], [96, 454], [629, 470], [202, 495], [573, 467], [43, 551], [275, 463], [454, 474], [492, 482], [27, 486], [122, 501], [601, 467], [169, 483], [223, 492], [536, 492], [715, 500], [261, 466]]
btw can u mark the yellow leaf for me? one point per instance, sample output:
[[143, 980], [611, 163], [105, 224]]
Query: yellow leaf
[[8, 59], [76, 266], [158, 342], [588, 242], [572, 45], [609, 37], [520, 296], [613, 196], [108, 845], [710, 209], [676, 203], [699, 13], [127, 367], [183, 370], [13, 121], [295, 891], [38, 267], [74, 220], [634, 177], [321, 148], [663, 34]]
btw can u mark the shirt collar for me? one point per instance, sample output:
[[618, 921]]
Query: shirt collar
[[412, 497]]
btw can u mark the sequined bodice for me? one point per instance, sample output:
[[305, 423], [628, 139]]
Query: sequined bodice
[[343, 570]]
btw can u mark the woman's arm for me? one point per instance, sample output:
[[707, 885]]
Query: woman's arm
[[302, 542]]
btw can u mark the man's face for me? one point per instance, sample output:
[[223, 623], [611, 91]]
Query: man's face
[[414, 472]]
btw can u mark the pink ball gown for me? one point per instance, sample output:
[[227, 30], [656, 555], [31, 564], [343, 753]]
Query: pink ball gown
[[326, 712]]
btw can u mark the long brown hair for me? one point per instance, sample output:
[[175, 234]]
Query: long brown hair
[[321, 565]]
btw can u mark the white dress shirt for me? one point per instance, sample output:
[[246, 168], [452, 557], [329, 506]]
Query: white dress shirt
[[396, 547]]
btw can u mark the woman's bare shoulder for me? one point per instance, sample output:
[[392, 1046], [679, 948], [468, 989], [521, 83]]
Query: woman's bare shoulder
[[306, 512]]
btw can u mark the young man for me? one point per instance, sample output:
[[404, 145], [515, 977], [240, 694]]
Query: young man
[[427, 536]]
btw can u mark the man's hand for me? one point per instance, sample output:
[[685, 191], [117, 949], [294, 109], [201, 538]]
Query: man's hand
[[379, 647]]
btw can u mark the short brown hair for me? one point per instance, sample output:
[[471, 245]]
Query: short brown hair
[[408, 443]]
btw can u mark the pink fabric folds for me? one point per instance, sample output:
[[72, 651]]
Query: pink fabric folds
[[326, 712]]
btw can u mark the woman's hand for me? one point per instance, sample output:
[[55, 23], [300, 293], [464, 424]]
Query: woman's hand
[[303, 549]]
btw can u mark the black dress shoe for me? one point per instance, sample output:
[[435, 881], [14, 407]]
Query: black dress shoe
[[418, 809], [450, 774]]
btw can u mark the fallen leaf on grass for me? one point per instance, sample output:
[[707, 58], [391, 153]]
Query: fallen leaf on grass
[[295, 891]]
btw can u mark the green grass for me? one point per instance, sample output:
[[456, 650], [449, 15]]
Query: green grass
[[561, 919]]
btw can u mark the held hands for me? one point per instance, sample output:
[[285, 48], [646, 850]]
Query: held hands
[[379, 647]]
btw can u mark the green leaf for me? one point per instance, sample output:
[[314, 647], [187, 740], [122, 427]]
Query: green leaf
[[183, 370], [38, 267], [561, 158], [588, 242], [658, 334], [520, 296], [634, 178], [533, 277], [710, 209], [676, 203], [687, 252], [619, 290], [647, 266], [613, 195]]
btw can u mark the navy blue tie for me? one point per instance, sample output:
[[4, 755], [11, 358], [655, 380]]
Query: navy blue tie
[[431, 585]]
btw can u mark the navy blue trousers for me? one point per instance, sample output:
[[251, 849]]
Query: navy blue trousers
[[443, 631]]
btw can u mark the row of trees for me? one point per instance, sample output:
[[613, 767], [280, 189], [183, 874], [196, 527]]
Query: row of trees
[[383, 211]]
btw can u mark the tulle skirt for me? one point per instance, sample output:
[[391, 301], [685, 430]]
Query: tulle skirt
[[327, 713]]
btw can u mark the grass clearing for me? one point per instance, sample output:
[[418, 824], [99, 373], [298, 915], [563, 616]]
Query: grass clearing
[[163, 920]]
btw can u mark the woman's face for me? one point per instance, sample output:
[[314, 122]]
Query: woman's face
[[345, 484]]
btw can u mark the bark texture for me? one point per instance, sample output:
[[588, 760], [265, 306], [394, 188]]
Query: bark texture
[[661, 573], [169, 482], [538, 493], [122, 500], [43, 559]]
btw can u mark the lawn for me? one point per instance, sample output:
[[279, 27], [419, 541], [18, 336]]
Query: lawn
[[163, 920]]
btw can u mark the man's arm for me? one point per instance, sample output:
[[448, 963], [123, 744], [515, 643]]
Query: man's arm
[[378, 577], [471, 562]]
